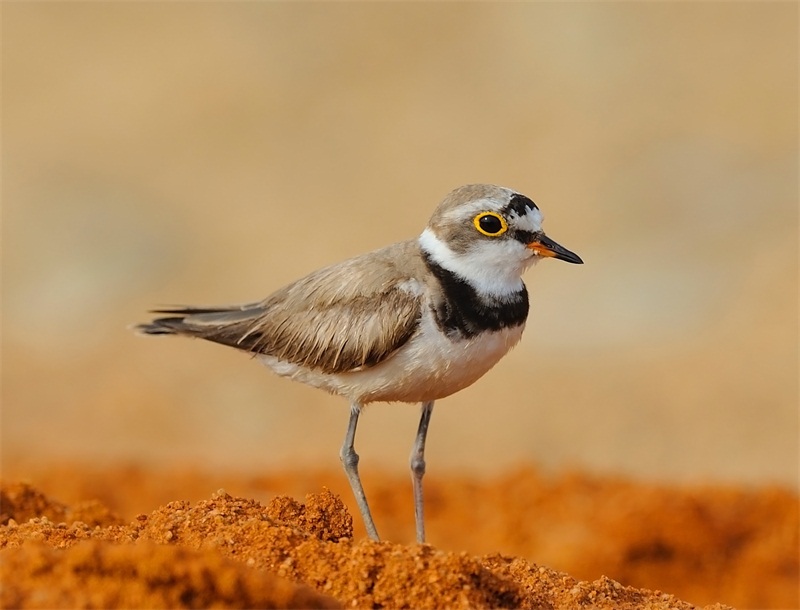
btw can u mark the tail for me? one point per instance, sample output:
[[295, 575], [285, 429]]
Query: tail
[[225, 325]]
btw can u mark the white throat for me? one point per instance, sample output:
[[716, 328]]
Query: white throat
[[491, 268]]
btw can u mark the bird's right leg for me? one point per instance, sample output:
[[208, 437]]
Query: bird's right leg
[[349, 459]]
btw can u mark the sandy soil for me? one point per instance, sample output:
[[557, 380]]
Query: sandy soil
[[620, 541]]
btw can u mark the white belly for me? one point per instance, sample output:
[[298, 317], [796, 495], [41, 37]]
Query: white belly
[[430, 366]]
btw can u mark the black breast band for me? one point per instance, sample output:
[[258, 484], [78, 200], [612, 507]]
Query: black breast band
[[465, 313]]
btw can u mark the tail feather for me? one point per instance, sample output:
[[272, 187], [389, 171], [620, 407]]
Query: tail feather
[[156, 327], [220, 324]]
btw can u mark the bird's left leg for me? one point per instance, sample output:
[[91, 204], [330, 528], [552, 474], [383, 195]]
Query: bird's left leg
[[418, 468]]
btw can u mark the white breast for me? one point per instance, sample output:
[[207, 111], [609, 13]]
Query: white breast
[[430, 366]]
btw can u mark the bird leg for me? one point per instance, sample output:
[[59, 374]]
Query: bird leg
[[349, 459], [418, 468]]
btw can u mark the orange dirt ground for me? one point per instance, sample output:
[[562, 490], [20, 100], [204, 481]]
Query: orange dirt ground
[[108, 547]]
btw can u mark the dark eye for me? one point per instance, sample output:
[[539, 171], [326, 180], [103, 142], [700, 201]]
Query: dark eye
[[490, 223]]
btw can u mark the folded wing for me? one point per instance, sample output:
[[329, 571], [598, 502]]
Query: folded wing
[[338, 319]]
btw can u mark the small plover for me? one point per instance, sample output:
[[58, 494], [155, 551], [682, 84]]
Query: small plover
[[412, 322]]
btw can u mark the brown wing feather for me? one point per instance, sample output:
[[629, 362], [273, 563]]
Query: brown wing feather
[[351, 315]]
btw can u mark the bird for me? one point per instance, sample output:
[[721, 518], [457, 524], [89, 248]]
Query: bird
[[412, 322]]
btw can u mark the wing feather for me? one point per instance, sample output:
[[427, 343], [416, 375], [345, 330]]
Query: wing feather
[[341, 318]]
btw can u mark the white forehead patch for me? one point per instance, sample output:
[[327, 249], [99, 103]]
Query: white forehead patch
[[530, 221]]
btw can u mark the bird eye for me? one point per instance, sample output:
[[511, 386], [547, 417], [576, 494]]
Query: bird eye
[[490, 223]]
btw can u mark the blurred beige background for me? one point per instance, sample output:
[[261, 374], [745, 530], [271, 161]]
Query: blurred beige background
[[158, 153]]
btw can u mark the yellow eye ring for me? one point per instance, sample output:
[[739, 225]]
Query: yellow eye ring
[[490, 223]]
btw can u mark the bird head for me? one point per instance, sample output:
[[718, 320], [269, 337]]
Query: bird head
[[489, 235]]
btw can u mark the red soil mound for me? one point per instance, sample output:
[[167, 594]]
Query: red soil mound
[[236, 552]]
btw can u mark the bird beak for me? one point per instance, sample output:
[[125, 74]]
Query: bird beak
[[544, 246]]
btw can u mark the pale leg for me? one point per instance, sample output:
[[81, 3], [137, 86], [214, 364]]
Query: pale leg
[[349, 459], [418, 468]]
